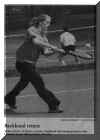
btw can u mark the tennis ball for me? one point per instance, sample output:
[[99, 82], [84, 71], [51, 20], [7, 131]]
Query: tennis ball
[[88, 45]]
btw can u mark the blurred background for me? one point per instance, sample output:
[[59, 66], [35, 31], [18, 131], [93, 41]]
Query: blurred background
[[80, 19], [18, 16]]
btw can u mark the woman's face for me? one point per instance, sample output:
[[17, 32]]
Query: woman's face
[[45, 24]]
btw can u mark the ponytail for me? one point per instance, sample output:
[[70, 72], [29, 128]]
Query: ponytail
[[36, 20]]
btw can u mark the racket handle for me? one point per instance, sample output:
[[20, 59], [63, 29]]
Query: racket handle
[[57, 49], [60, 50]]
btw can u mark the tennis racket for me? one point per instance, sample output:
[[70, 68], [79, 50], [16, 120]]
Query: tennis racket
[[57, 49], [81, 53]]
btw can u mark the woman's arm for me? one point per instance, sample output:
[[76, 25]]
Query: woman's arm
[[46, 44], [32, 32], [38, 40]]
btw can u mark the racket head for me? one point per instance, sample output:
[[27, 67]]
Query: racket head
[[81, 54]]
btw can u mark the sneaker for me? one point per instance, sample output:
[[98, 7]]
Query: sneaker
[[10, 101], [55, 110], [63, 63]]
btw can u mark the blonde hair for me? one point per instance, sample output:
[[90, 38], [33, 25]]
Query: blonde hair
[[36, 20]]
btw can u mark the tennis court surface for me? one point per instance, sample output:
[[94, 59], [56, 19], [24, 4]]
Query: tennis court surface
[[74, 89]]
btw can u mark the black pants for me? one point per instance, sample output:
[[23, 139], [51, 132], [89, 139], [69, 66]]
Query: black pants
[[68, 48], [29, 74]]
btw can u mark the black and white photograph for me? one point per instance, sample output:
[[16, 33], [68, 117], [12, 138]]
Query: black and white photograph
[[49, 70]]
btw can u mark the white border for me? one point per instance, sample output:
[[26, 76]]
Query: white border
[[50, 125], [2, 3], [91, 2], [2, 119]]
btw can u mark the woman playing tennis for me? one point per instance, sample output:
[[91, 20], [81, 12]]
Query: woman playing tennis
[[26, 58]]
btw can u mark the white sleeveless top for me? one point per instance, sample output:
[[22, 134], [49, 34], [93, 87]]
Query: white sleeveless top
[[67, 39]]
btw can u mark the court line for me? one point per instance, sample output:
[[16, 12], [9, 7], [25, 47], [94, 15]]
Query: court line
[[13, 57], [74, 29], [10, 57], [60, 30], [58, 92], [42, 59]]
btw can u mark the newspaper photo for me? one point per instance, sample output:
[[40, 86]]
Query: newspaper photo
[[50, 69]]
